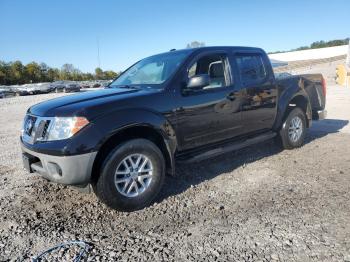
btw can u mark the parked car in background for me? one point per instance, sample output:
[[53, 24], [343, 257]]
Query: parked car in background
[[65, 86], [27, 89], [2, 93], [43, 88], [31, 89], [85, 85], [5, 91], [95, 85], [101, 83], [106, 83]]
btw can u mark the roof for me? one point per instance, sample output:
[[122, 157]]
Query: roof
[[210, 48]]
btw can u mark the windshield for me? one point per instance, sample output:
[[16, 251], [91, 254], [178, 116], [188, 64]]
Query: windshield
[[153, 70]]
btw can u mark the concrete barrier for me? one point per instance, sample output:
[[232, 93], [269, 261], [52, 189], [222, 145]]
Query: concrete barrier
[[310, 54]]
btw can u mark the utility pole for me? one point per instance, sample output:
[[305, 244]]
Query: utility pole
[[98, 52]]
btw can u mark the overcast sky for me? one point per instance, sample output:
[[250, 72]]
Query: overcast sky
[[66, 31]]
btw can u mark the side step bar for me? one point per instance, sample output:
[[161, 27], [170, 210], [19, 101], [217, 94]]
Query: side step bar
[[224, 148]]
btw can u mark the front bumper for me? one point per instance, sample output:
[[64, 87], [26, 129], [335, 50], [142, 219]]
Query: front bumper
[[69, 170]]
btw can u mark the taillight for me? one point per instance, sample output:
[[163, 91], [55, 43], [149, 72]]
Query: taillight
[[324, 86]]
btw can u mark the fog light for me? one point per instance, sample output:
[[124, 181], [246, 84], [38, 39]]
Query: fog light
[[54, 169]]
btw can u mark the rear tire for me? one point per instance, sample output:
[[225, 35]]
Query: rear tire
[[131, 176], [293, 131]]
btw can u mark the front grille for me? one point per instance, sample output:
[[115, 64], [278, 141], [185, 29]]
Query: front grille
[[46, 127], [29, 125], [35, 128]]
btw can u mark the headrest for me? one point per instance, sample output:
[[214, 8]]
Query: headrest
[[216, 69]]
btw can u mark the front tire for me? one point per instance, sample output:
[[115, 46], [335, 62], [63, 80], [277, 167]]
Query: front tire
[[293, 131], [131, 176]]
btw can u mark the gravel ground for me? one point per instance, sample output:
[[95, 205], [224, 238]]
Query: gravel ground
[[258, 204]]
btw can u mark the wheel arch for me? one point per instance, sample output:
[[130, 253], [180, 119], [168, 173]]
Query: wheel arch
[[299, 99], [146, 131]]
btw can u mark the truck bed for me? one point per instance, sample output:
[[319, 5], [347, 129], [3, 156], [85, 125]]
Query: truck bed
[[313, 84]]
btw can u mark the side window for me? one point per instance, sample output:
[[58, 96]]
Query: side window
[[192, 71], [212, 65], [251, 68]]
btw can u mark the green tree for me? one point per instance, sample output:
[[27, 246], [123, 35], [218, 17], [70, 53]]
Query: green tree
[[318, 44], [110, 75], [53, 74], [88, 76], [17, 72], [44, 68], [67, 72], [32, 72], [76, 75], [99, 73], [195, 44], [4, 73]]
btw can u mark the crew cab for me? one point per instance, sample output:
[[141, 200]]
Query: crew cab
[[179, 106]]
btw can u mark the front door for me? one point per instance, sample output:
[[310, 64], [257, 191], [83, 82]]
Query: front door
[[212, 113]]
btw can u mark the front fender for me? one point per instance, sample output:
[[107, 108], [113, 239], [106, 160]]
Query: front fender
[[121, 119], [112, 124]]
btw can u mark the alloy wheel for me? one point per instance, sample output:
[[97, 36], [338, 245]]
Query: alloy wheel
[[133, 175], [295, 129]]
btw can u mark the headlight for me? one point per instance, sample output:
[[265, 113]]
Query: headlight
[[65, 127]]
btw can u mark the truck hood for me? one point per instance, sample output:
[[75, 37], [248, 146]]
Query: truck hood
[[88, 103]]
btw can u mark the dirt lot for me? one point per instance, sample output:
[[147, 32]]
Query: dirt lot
[[258, 204]]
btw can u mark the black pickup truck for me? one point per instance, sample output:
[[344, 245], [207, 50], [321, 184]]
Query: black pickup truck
[[186, 105]]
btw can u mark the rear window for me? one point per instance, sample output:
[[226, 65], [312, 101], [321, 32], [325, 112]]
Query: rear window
[[251, 68]]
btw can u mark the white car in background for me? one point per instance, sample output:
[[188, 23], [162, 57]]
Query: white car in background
[[26, 89], [5, 91], [43, 88]]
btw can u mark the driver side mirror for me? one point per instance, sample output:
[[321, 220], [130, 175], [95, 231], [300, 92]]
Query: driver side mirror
[[198, 82]]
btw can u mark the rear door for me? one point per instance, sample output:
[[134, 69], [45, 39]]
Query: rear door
[[258, 90]]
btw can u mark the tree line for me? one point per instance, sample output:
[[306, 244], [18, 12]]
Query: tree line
[[16, 73], [318, 44]]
